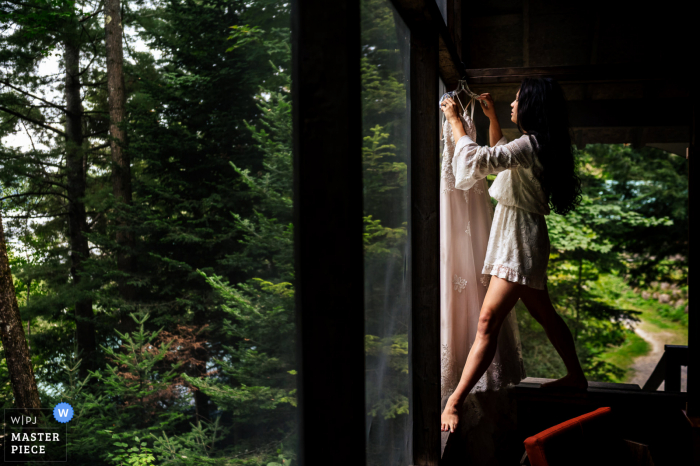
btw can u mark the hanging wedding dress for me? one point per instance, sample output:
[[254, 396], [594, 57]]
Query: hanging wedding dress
[[465, 223]]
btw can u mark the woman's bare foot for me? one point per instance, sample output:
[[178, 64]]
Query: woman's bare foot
[[450, 417], [568, 382]]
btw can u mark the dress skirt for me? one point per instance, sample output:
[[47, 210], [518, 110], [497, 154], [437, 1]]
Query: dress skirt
[[518, 249]]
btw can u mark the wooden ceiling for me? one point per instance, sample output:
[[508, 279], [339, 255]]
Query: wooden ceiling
[[626, 69]]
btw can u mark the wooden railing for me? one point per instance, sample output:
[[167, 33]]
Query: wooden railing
[[668, 369]]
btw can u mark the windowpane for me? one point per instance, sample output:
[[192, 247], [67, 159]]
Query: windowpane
[[386, 156], [179, 214]]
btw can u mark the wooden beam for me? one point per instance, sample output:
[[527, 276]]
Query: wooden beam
[[613, 112], [693, 258], [425, 16], [449, 73], [328, 249], [595, 39], [454, 24], [626, 134], [424, 347], [584, 73], [526, 33]]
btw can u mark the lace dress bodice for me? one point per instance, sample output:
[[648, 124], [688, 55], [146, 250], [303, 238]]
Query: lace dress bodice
[[517, 165]]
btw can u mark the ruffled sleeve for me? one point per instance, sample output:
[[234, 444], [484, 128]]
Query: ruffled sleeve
[[472, 162]]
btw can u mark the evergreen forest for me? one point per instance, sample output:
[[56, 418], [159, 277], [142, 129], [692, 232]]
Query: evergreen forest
[[146, 188]]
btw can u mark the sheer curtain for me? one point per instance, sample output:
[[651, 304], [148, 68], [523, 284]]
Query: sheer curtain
[[465, 223]]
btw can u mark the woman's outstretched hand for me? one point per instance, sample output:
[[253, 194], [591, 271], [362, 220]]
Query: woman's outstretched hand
[[489, 109], [449, 108]]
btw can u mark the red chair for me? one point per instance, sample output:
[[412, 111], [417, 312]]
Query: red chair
[[591, 439]]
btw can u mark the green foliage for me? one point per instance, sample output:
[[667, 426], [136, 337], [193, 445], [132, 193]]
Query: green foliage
[[261, 318], [38, 18], [394, 350], [196, 447], [209, 137], [283, 459], [134, 377], [133, 400], [137, 455], [616, 290], [653, 184], [628, 198]]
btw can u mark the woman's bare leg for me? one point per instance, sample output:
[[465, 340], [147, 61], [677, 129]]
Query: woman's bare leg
[[540, 306], [498, 302]]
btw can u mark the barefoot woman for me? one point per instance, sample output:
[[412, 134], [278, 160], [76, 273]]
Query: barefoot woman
[[536, 172]]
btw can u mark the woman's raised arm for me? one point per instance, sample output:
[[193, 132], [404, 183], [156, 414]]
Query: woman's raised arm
[[472, 162], [487, 105]]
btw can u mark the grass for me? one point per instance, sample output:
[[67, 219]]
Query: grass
[[677, 332], [655, 318], [613, 290], [623, 356]]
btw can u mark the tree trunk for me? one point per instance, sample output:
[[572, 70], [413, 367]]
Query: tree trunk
[[77, 225], [121, 170], [13, 340]]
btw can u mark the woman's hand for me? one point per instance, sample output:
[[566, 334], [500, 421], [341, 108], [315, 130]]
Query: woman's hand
[[489, 109], [449, 108]]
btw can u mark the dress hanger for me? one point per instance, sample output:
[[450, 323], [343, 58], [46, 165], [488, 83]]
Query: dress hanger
[[462, 86]]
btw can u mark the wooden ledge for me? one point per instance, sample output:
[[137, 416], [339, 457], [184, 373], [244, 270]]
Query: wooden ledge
[[536, 382], [598, 393]]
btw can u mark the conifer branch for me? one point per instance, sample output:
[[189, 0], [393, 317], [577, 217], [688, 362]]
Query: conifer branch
[[29, 94], [32, 194], [32, 120]]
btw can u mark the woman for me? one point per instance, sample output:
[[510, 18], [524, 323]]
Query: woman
[[536, 172]]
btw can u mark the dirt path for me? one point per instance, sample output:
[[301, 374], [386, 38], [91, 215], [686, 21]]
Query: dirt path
[[643, 366]]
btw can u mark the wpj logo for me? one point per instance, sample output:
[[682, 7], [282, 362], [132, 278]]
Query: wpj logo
[[36, 435]]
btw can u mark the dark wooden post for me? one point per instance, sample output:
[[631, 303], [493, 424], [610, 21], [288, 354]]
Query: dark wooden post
[[328, 231], [676, 356], [454, 23], [693, 307], [425, 243]]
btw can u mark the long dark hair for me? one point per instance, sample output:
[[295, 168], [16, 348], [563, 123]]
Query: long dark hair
[[542, 113]]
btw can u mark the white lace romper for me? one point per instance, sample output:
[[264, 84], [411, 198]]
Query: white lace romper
[[518, 249]]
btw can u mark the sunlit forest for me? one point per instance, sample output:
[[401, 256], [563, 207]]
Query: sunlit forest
[[619, 261], [154, 270]]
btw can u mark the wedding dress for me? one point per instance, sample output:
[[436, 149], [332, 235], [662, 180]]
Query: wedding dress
[[465, 223]]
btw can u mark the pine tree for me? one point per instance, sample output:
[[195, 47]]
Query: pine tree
[[14, 342]]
